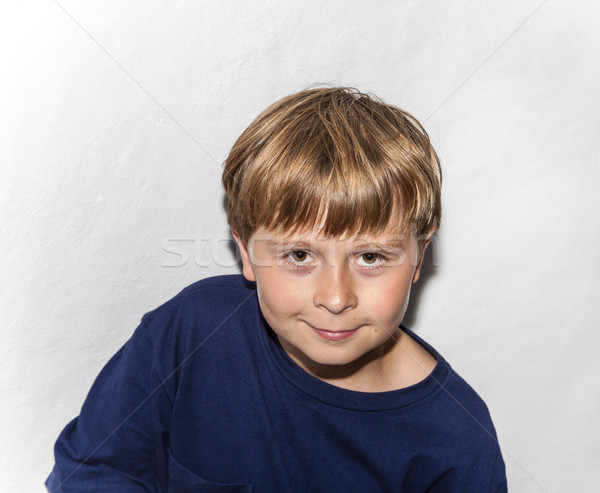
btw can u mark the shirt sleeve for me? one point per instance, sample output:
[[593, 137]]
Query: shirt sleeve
[[485, 474], [117, 441]]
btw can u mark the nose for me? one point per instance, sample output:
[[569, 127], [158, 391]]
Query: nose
[[334, 290]]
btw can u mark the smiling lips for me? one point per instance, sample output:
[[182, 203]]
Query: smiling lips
[[331, 335]]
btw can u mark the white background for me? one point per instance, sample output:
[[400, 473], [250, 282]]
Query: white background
[[116, 115]]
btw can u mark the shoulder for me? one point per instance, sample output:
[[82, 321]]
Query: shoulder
[[457, 417], [213, 287], [467, 415], [211, 308], [466, 438], [461, 410], [208, 299], [454, 397]]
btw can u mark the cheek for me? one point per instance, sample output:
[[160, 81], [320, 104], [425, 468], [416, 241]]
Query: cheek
[[277, 298], [389, 304]]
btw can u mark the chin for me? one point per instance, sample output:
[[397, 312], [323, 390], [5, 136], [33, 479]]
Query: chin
[[335, 360]]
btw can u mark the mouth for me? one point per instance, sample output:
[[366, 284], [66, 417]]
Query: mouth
[[334, 335]]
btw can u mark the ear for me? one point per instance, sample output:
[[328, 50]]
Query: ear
[[247, 269], [417, 272]]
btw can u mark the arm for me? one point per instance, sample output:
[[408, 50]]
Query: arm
[[115, 443]]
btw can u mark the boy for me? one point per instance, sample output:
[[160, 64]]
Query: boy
[[297, 376]]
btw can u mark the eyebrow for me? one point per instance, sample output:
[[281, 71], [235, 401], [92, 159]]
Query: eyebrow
[[301, 243], [286, 243], [389, 243]]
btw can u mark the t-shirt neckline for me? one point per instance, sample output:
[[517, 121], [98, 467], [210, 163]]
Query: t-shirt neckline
[[278, 360]]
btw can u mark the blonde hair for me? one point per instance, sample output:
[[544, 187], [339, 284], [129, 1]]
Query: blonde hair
[[336, 159]]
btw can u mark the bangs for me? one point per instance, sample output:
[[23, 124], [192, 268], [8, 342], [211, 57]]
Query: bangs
[[338, 204]]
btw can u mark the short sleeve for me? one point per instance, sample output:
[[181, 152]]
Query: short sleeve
[[117, 441], [484, 474]]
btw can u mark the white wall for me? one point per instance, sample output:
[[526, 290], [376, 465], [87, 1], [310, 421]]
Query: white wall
[[115, 117]]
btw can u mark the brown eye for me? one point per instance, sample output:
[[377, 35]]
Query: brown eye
[[369, 258], [298, 255]]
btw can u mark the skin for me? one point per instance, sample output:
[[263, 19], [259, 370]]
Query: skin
[[336, 304]]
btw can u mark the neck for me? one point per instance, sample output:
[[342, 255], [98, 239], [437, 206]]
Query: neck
[[398, 363]]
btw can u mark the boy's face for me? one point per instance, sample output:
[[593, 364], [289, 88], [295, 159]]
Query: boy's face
[[335, 304]]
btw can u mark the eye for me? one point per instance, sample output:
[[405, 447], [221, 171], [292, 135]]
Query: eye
[[299, 259], [369, 259], [298, 256]]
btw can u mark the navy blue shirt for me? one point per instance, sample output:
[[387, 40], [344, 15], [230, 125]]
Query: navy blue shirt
[[203, 398]]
